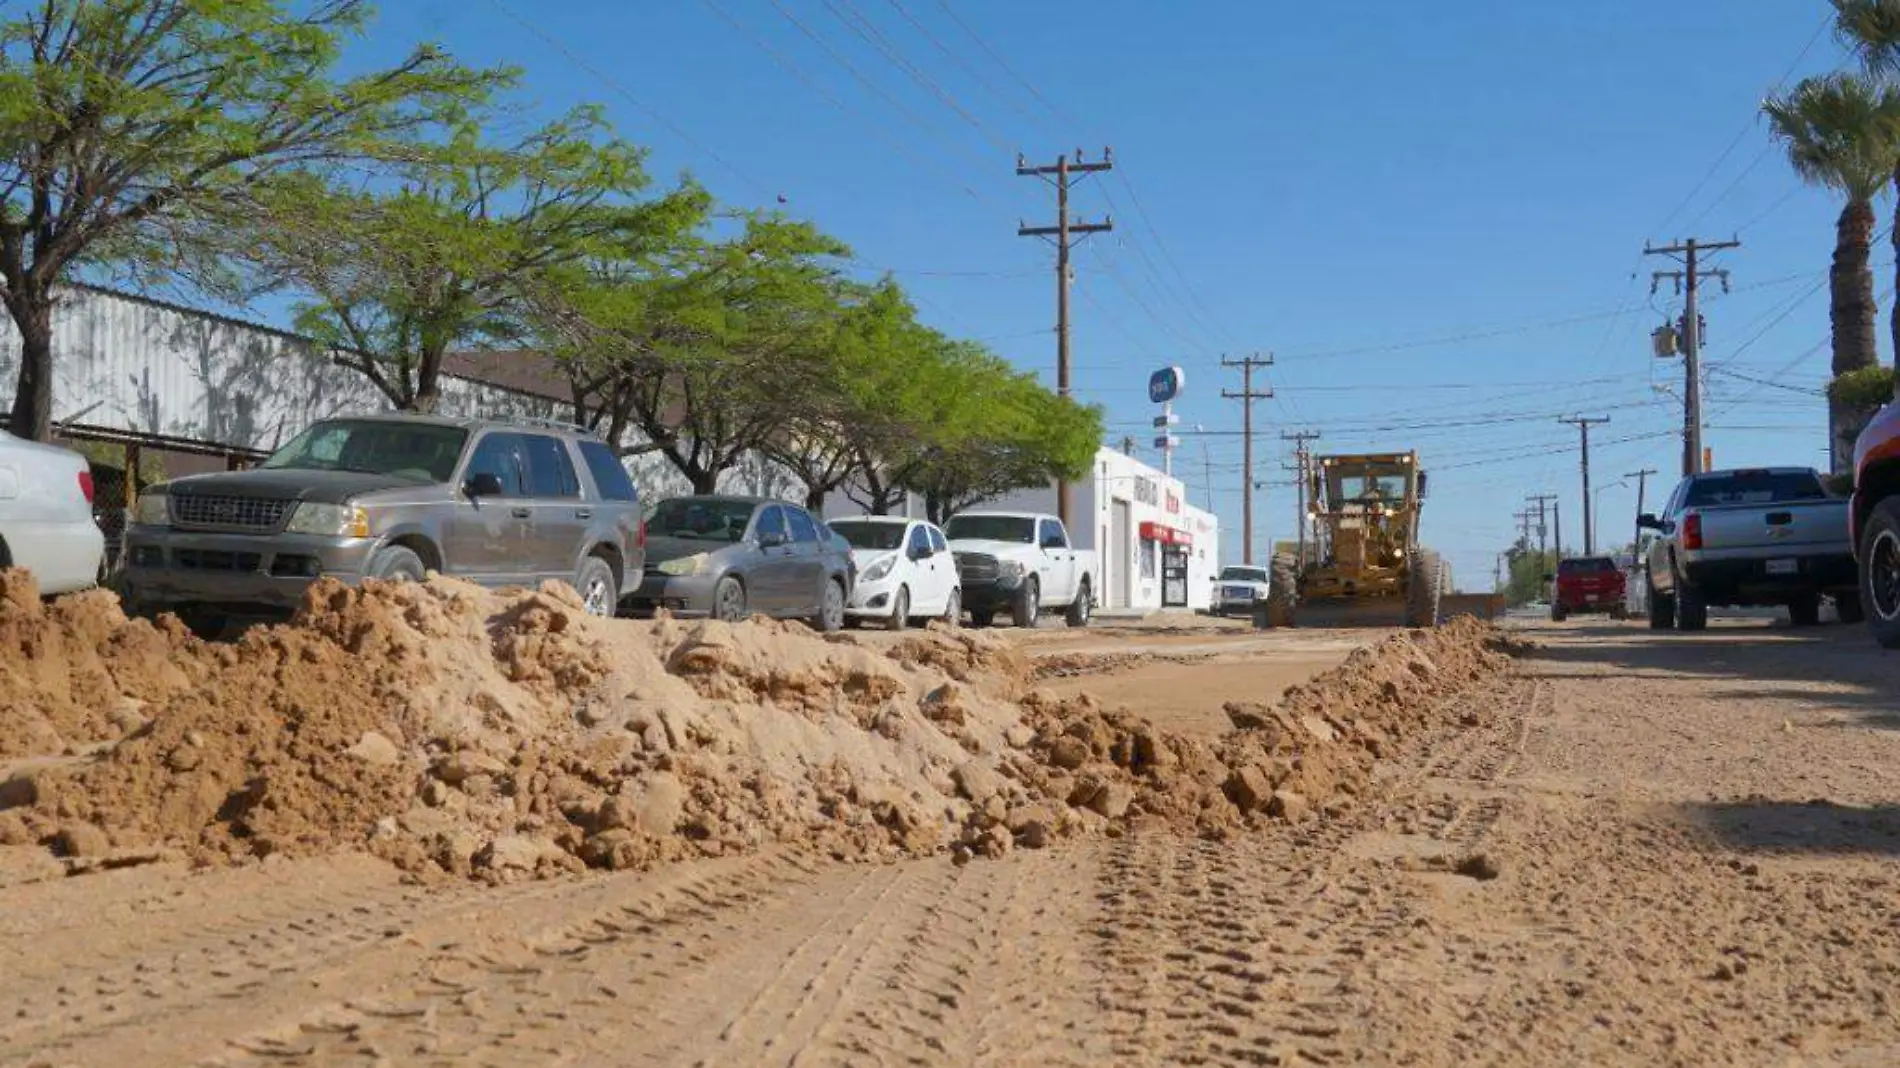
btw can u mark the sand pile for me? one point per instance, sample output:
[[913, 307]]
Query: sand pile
[[458, 731]]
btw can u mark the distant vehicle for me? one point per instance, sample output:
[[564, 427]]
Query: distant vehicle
[[1021, 563], [501, 503], [1238, 587], [46, 524], [1587, 585], [1744, 538], [730, 558], [905, 571]]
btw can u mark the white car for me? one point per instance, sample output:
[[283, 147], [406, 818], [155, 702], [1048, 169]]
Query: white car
[[46, 524], [1238, 587], [905, 571]]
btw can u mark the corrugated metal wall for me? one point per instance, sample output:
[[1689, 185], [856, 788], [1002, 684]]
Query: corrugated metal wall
[[150, 368]]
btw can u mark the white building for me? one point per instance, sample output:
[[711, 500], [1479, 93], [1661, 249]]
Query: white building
[[1156, 550]]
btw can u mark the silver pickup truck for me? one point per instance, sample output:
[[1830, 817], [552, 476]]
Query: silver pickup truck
[[1761, 536]]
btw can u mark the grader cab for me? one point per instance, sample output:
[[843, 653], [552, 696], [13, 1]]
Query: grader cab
[[1364, 565]]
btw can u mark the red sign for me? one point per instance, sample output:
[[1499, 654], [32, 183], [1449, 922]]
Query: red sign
[[1174, 503], [1166, 535]]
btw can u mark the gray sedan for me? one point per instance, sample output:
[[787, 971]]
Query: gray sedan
[[729, 558]]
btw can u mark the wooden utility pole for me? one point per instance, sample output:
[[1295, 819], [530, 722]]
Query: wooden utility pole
[[1688, 283], [1303, 465], [1064, 235], [1642, 485], [1543, 529], [1583, 423], [1246, 397]]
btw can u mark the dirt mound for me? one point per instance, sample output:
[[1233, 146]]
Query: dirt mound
[[458, 731]]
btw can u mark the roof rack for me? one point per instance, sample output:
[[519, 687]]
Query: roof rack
[[550, 424]]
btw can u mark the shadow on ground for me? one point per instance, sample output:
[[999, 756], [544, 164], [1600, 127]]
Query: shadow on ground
[[1821, 827]]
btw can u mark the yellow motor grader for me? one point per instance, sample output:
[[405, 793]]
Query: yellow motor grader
[[1364, 565]]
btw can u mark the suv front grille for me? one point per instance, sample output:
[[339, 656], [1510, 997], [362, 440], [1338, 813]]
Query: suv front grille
[[977, 569], [228, 513]]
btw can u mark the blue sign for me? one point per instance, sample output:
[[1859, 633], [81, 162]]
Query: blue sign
[[1165, 385]]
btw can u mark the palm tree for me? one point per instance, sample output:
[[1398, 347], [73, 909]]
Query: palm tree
[[1871, 30], [1843, 133]]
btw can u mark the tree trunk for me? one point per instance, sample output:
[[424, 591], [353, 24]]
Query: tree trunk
[[1853, 314], [815, 500], [33, 401]]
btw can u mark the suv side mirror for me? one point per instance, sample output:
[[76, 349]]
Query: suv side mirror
[[482, 484], [772, 539], [1648, 521]]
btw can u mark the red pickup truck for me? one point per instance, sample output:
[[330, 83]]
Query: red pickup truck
[[1587, 584]]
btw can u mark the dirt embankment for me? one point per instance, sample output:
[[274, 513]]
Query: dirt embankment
[[456, 731]]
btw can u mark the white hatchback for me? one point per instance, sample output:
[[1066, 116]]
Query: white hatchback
[[46, 523], [905, 571]]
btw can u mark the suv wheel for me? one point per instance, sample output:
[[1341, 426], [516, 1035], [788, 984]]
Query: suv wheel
[[1805, 610], [900, 610], [1028, 607], [1692, 612], [395, 564], [729, 601], [1880, 572], [597, 589], [1081, 608], [1662, 608]]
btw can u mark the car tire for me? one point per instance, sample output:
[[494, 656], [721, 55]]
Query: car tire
[[1692, 612], [900, 610], [1027, 608], [831, 610], [982, 617], [1283, 588], [600, 595], [1082, 607], [393, 563], [1805, 611], [1662, 608], [1558, 615], [1880, 572], [729, 601], [953, 612], [1847, 607]]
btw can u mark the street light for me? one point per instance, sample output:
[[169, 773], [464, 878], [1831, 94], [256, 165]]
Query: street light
[[1596, 508]]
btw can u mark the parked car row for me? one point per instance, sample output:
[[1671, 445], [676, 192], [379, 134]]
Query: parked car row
[[507, 503]]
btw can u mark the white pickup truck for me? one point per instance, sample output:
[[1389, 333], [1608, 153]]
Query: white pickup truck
[[1762, 536], [1021, 563]]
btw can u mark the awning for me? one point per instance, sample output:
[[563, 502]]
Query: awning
[[1166, 535]]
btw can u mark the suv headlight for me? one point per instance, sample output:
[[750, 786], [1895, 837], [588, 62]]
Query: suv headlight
[[685, 565], [331, 520], [153, 509], [880, 570]]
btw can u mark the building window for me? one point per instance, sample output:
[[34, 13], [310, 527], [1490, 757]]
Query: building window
[[1148, 560]]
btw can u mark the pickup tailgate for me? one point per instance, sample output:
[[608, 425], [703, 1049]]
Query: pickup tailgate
[[1590, 587], [1796, 528]]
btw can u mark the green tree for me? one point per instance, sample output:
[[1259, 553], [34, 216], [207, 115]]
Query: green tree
[[130, 128], [1843, 133], [399, 278], [1871, 30]]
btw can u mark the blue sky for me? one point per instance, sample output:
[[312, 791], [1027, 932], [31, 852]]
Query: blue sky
[[1348, 187]]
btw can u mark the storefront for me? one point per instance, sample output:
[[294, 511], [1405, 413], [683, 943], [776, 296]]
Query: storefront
[[1154, 550]]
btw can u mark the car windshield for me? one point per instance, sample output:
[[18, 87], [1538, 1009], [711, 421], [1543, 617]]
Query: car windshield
[[417, 452], [1754, 487], [992, 528], [1585, 565], [701, 519], [864, 534], [1243, 574]]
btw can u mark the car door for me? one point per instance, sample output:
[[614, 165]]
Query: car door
[[772, 579], [810, 572], [1056, 564], [486, 536], [919, 566], [946, 564], [561, 516]]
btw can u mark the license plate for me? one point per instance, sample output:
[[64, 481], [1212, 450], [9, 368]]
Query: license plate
[[1784, 567], [1591, 597]]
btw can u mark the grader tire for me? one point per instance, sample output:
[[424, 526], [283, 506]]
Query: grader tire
[[1283, 587], [1424, 589]]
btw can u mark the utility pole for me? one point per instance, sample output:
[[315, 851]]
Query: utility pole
[[1583, 423], [1642, 484], [1064, 235], [1688, 283], [1246, 397], [1303, 471], [1543, 530]]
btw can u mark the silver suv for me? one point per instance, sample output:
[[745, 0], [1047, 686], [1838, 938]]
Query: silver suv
[[390, 497]]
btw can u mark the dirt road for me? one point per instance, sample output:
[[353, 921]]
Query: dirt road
[[1641, 849]]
